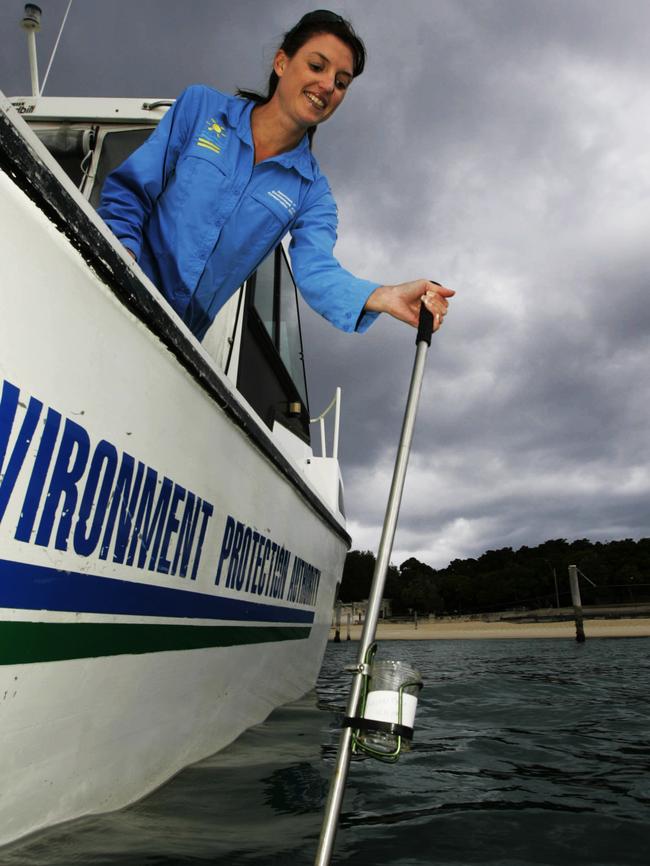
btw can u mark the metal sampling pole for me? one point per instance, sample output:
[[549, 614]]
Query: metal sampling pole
[[337, 786]]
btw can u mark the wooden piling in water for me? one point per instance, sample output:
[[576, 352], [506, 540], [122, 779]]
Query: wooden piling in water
[[337, 627], [577, 603], [349, 624]]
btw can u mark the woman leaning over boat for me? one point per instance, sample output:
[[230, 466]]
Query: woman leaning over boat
[[223, 178]]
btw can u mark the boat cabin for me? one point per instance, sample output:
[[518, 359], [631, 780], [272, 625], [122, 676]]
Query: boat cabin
[[255, 339]]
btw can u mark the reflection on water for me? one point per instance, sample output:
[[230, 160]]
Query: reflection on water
[[526, 752]]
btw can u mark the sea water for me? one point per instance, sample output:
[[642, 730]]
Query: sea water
[[525, 752]]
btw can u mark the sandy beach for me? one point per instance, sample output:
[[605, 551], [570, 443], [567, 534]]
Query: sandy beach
[[472, 629]]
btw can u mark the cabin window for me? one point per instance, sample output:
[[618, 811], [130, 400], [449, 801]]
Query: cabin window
[[71, 147], [289, 336], [264, 297], [74, 147], [271, 372], [115, 148], [275, 302]]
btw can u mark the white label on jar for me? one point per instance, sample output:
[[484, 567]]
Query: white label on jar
[[383, 706]]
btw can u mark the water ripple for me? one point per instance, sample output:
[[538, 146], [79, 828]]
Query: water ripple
[[527, 753]]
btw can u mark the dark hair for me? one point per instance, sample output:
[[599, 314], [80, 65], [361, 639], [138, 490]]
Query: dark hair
[[311, 24]]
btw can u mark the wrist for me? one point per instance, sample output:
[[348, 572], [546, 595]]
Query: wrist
[[376, 302]]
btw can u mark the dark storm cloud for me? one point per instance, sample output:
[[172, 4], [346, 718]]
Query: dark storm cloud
[[499, 147]]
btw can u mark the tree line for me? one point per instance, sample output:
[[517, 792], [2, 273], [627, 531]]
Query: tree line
[[506, 579]]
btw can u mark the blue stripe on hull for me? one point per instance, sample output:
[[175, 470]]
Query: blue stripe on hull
[[36, 587]]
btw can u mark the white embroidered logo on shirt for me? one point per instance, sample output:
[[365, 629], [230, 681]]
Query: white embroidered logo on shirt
[[284, 200]]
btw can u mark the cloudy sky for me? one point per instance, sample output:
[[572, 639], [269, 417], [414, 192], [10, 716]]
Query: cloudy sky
[[501, 147]]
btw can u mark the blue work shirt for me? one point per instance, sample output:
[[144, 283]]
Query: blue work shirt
[[200, 216]]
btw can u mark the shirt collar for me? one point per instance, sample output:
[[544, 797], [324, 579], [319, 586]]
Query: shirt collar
[[299, 158], [239, 118]]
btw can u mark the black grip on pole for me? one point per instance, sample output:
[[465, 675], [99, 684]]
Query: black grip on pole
[[425, 325]]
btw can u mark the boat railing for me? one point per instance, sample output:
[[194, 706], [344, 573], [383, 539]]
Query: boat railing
[[335, 405]]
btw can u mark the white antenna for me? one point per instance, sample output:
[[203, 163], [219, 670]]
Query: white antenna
[[56, 45], [31, 23]]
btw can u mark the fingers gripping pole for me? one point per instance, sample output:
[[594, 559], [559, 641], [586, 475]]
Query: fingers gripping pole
[[337, 786]]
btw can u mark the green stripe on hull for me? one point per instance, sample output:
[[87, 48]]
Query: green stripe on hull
[[29, 642]]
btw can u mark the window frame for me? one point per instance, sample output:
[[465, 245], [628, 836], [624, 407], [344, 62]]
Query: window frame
[[279, 401]]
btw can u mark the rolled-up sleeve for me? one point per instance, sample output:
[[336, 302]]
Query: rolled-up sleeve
[[130, 192], [327, 287]]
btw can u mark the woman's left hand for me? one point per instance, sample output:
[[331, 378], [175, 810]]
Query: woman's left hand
[[403, 301]]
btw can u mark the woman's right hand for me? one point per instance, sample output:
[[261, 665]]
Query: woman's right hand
[[403, 301]]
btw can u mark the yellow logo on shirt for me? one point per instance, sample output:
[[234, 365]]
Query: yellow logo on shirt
[[212, 134]]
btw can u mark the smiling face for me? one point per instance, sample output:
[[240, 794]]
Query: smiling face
[[314, 81]]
